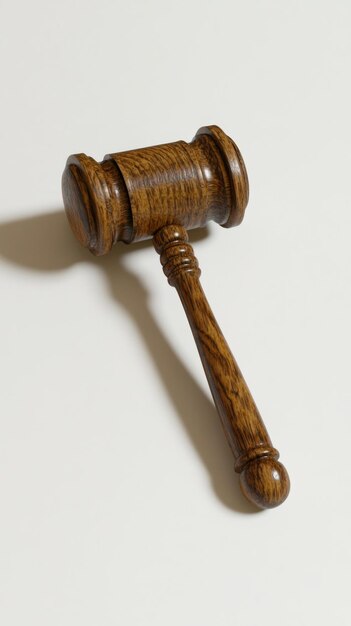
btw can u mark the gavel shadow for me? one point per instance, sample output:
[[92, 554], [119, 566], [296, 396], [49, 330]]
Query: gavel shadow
[[44, 243]]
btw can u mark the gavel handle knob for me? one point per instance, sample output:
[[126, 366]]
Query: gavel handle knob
[[263, 480]]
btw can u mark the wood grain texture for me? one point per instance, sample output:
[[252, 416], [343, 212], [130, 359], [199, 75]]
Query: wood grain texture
[[160, 192], [263, 479], [130, 195]]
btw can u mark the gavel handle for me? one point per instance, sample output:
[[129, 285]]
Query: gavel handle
[[264, 481]]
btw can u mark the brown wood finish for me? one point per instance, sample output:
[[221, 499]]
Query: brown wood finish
[[130, 195], [161, 192]]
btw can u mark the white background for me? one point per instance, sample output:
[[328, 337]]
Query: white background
[[118, 500]]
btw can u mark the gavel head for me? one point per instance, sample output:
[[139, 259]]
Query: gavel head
[[130, 195]]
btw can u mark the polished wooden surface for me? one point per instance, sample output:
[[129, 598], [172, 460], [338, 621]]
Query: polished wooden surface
[[263, 479], [161, 192], [130, 195]]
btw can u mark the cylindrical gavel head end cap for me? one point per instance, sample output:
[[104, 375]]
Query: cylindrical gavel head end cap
[[235, 170], [265, 482], [87, 199]]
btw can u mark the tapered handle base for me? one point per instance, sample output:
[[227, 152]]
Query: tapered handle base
[[265, 482]]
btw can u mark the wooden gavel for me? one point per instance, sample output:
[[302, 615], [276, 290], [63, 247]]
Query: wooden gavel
[[160, 192]]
